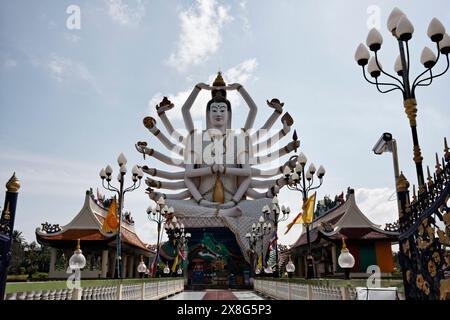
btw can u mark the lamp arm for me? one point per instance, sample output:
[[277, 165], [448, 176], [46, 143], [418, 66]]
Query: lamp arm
[[416, 81], [384, 91], [110, 187], [384, 72], [419, 83], [317, 187], [381, 83]]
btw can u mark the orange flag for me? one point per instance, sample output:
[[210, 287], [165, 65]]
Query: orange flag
[[111, 221]]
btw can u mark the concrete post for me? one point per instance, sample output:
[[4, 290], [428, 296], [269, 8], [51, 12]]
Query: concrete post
[[308, 292], [119, 292], [345, 293], [104, 263], [143, 291], [77, 293]]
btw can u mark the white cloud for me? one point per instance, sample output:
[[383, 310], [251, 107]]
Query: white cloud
[[200, 33], [379, 204], [64, 69], [10, 63], [72, 38], [241, 73], [244, 17], [124, 14]]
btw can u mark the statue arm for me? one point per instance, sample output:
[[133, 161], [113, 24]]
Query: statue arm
[[191, 185], [168, 125], [165, 141], [170, 185], [272, 140], [186, 109], [244, 185], [161, 157], [252, 193], [251, 104], [278, 110], [246, 171], [279, 153], [274, 171], [163, 174], [174, 196]]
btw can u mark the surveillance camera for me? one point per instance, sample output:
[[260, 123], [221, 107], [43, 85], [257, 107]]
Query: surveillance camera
[[383, 144]]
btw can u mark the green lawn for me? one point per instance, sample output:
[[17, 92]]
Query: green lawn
[[50, 285]]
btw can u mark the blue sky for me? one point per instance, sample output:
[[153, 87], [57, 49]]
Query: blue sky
[[72, 100]]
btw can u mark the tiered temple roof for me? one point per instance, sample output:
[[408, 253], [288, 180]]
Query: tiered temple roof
[[344, 221], [87, 226]]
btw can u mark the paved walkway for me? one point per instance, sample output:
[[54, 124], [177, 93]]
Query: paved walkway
[[216, 295]]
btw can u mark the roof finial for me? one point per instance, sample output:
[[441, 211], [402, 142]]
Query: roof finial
[[344, 247], [78, 244], [219, 82], [13, 184]]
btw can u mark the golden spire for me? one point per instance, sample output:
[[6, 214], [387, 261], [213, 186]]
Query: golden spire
[[438, 165], [402, 183], [344, 247], [414, 193], [142, 258], [219, 82], [78, 245], [13, 184]]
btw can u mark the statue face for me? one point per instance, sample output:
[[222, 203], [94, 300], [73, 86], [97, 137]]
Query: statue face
[[218, 115]]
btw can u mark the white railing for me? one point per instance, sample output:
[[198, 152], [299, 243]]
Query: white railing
[[284, 290], [153, 290]]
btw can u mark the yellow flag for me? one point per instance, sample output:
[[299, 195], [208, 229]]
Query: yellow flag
[[306, 216], [175, 264], [111, 222], [308, 209], [259, 265], [297, 220]]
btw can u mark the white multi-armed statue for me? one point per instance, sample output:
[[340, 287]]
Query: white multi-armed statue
[[217, 167]]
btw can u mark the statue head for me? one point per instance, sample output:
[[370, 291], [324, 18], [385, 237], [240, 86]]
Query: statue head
[[218, 113]]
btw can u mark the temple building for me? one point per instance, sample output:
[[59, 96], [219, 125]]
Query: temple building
[[334, 220], [98, 247]]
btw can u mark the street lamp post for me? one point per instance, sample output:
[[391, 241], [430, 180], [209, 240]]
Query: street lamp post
[[159, 214], [176, 234], [260, 230], [106, 174], [302, 180], [402, 29], [346, 260], [277, 217], [290, 267], [142, 267]]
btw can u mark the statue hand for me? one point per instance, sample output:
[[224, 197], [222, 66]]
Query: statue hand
[[233, 86], [208, 204], [221, 168], [215, 168], [293, 145], [203, 86], [227, 205], [161, 109]]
